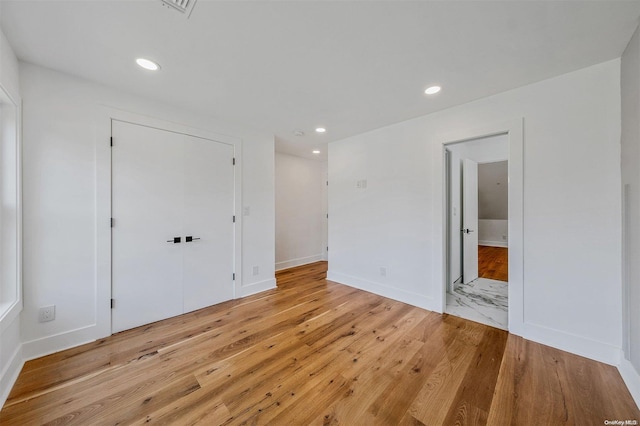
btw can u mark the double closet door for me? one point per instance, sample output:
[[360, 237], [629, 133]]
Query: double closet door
[[173, 230]]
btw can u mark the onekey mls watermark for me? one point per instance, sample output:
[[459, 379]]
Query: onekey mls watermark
[[620, 422]]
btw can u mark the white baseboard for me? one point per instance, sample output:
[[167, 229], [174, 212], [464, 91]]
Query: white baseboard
[[10, 374], [578, 345], [298, 262], [568, 342], [253, 288], [58, 342], [411, 298], [493, 243], [631, 378]]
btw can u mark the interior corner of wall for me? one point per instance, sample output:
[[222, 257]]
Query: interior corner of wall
[[631, 378]]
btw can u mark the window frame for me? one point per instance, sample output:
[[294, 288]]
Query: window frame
[[10, 309]]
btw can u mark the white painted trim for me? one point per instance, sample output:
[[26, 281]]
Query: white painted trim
[[10, 374], [409, 297], [493, 243], [299, 262], [579, 345], [13, 310], [106, 115], [631, 378], [58, 342], [11, 314], [514, 129], [258, 287]]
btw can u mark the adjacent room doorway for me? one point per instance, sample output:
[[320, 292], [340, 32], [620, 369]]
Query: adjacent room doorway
[[477, 211]]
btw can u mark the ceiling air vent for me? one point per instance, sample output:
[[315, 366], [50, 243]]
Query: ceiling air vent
[[184, 6]]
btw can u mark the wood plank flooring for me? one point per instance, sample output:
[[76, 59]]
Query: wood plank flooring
[[312, 352], [493, 263]]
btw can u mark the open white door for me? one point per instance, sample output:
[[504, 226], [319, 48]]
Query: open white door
[[166, 187], [469, 221]]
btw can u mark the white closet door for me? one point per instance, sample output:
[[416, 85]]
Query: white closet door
[[147, 182], [167, 185], [208, 215]]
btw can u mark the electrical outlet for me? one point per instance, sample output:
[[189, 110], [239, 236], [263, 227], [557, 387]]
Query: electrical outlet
[[256, 270], [47, 313], [383, 271], [504, 238], [246, 211]]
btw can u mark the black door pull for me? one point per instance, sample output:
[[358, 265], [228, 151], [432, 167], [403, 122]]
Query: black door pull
[[189, 238], [175, 240]]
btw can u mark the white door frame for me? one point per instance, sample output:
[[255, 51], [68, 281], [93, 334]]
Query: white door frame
[[103, 201], [514, 131]]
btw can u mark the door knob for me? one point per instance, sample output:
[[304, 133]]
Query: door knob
[[175, 240], [467, 231], [189, 238]]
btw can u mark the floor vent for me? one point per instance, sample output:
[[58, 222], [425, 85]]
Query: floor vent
[[184, 6]]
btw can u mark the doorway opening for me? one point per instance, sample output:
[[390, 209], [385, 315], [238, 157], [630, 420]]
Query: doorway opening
[[477, 224], [301, 210]]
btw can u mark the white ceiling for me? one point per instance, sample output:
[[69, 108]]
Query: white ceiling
[[350, 66]]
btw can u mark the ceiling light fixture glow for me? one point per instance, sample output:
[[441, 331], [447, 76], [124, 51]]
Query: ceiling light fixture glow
[[432, 90], [320, 129], [315, 151], [147, 64]]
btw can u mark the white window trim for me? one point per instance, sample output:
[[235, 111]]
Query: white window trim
[[10, 310]]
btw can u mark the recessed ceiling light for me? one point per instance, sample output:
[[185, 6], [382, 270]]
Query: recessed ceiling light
[[320, 129], [147, 64], [315, 151], [432, 90]]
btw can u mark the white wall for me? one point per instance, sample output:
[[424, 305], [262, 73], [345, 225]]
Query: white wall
[[630, 83], [484, 150], [493, 194], [61, 129], [493, 204], [493, 232], [300, 210], [571, 207], [10, 344]]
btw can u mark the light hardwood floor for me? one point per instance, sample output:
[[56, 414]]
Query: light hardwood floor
[[493, 263], [316, 352]]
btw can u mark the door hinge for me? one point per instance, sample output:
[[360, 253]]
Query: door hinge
[[234, 276], [111, 141], [113, 222], [327, 248], [113, 303], [234, 161], [234, 219], [327, 183], [327, 215]]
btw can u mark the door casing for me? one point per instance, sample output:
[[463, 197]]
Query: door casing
[[514, 130]]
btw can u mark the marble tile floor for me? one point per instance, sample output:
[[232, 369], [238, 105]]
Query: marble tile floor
[[482, 300]]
